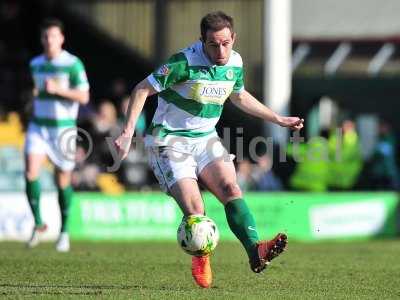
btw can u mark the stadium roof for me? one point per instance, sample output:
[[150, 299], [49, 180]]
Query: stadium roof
[[345, 19], [356, 57]]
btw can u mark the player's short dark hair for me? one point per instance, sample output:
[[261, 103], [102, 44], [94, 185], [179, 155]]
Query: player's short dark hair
[[51, 22], [215, 21]]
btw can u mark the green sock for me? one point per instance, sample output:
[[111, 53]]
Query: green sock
[[242, 224], [64, 200], [33, 194]]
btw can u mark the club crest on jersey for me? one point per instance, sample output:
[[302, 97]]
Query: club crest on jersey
[[229, 74], [163, 70]]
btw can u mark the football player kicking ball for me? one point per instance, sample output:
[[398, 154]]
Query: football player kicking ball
[[60, 87], [182, 143]]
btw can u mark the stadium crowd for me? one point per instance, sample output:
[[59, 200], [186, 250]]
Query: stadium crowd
[[312, 161]]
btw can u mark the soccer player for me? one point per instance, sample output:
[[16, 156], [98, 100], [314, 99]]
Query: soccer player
[[182, 143], [60, 86]]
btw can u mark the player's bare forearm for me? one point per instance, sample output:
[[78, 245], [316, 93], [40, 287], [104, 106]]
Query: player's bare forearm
[[136, 103], [82, 97], [246, 102]]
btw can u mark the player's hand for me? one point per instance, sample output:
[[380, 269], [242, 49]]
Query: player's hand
[[123, 143], [51, 86], [294, 123]]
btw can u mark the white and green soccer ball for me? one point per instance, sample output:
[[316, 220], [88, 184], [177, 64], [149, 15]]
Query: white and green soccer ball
[[198, 235]]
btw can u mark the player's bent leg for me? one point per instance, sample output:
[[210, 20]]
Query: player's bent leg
[[219, 177], [65, 193], [33, 163]]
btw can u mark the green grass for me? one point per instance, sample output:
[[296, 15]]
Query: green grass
[[352, 270]]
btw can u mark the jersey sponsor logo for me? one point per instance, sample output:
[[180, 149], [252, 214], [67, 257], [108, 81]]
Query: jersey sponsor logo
[[210, 91], [206, 92], [163, 70]]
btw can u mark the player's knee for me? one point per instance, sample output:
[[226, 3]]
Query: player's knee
[[63, 180], [30, 175], [232, 190]]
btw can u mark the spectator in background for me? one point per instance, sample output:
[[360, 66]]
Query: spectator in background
[[103, 125], [85, 174], [244, 169], [118, 90], [312, 164], [263, 177], [345, 160], [105, 120], [383, 171]]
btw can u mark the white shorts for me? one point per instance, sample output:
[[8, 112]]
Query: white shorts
[[184, 160], [58, 143]]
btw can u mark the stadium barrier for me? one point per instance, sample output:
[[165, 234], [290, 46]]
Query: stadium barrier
[[149, 216]]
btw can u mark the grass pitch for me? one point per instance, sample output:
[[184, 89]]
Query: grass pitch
[[144, 270]]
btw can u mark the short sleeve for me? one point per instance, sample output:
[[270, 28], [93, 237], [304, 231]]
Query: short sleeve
[[78, 77], [175, 70], [239, 83]]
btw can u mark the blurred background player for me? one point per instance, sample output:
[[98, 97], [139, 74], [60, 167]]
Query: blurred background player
[[182, 142], [60, 86]]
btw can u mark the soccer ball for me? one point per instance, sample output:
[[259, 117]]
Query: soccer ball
[[198, 235]]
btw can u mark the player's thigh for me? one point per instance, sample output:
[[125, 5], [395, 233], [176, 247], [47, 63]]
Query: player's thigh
[[33, 164], [219, 177], [187, 194], [62, 178], [177, 176], [35, 151]]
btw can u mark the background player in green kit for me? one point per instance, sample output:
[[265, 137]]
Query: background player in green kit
[[182, 143], [60, 86]]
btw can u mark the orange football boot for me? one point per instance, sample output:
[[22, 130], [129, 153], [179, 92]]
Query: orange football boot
[[267, 251], [201, 270]]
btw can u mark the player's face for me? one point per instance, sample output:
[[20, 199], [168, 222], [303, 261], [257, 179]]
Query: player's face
[[218, 45], [52, 40]]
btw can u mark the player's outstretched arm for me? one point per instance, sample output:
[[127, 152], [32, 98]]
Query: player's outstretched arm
[[246, 102], [138, 97]]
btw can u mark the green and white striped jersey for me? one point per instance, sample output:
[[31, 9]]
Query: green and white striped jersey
[[69, 73], [192, 92]]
